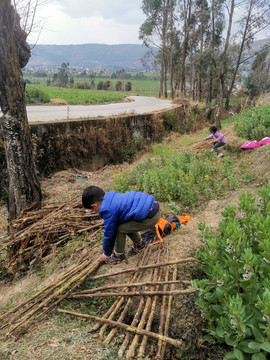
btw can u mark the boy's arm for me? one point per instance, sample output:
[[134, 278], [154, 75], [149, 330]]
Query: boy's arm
[[209, 137], [110, 227]]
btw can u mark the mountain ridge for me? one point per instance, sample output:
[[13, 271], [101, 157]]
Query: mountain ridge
[[127, 56]]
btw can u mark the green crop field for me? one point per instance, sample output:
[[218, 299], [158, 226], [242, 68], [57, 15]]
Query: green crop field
[[76, 96], [147, 87]]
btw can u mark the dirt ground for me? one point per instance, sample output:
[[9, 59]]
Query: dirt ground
[[62, 337]]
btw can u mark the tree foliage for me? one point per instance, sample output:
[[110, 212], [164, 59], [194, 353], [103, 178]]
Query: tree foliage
[[203, 45]]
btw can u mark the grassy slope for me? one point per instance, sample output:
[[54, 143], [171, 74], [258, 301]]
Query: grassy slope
[[63, 337]]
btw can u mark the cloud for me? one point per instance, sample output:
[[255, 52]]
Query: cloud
[[121, 11], [64, 26]]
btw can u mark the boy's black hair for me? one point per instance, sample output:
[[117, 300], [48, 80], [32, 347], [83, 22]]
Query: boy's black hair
[[213, 129], [91, 195]]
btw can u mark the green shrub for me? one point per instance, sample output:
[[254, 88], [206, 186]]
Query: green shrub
[[128, 86], [35, 95], [237, 259], [191, 179], [83, 85], [100, 85], [107, 84], [118, 86], [253, 124]]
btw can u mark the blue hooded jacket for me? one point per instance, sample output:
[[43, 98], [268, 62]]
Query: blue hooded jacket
[[117, 208]]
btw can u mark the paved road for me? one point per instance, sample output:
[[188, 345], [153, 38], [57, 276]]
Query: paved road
[[137, 105]]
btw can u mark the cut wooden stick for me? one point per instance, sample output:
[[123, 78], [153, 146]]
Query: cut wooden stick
[[137, 315], [173, 342], [128, 304], [116, 286], [122, 299], [162, 315], [135, 341], [145, 267], [136, 293], [168, 317], [120, 319], [141, 353]]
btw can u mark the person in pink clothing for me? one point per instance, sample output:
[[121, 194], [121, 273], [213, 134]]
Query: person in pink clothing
[[220, 139]]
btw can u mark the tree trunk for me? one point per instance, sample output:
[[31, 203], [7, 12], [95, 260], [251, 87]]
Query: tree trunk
[[219, 103], [243, 42], [161, 80], [187, 11], [24, 187]]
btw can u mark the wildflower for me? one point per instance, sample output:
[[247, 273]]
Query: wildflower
[[220, 283], [243, 215], [229, 249], [247, 276], [233, 323]]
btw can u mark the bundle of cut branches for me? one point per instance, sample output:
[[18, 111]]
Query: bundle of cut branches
[[203, 145], [40, 229]]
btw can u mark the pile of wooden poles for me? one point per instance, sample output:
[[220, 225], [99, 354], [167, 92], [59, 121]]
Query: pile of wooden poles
[[203, 145], [39, 230], [20, 318], [153, 303]]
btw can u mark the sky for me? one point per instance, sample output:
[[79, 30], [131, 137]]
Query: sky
[[89, 21]]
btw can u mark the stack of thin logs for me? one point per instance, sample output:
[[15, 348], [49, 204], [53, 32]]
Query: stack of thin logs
[[147, 307], [25, 315], [39, 230], [203, 145]]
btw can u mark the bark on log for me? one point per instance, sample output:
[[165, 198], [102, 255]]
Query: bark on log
[[177, 343], [136, 293], [116, 286]]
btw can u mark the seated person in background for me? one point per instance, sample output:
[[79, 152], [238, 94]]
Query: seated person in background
[[123, 214]]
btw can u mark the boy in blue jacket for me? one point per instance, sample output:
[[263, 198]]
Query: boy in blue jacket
[[123, 214]]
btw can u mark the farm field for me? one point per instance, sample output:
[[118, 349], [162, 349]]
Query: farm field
[[226, 198], [71, 96], [148, 87]]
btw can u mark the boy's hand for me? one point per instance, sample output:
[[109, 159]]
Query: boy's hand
[[104, 258]]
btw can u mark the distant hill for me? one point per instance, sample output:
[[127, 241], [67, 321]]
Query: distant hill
[[127, 56]]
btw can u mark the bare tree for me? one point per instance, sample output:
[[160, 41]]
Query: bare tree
[[24, 186]]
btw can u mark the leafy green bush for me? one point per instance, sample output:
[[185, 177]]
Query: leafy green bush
[[253, 124], [237, 259], [189, 178], [35, 95]]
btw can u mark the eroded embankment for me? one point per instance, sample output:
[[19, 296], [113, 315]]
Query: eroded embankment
[[91, 144]]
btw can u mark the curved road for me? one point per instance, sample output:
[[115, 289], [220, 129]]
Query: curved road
[[137, 105]]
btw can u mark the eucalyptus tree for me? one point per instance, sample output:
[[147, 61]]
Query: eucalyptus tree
[[154, 31], [255, 18]]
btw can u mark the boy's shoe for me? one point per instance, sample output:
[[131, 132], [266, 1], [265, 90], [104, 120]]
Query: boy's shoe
[[135, 248], [220, 155], [116, 259]]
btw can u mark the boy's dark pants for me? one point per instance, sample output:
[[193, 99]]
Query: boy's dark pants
[[131, 228]]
